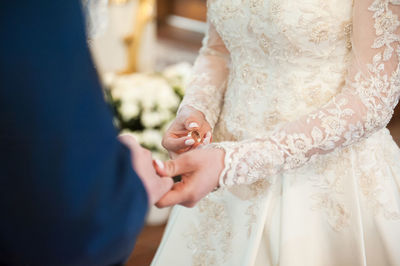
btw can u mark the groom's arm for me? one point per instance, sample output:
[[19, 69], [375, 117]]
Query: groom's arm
[[68, 194]]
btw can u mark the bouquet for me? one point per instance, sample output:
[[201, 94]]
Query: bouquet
[[144, 104]]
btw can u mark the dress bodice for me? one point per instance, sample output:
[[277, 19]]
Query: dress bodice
[[287, 58], [284, 81]]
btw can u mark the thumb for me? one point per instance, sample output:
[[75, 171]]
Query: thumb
[[159, 188], [181, 165], [165, 185], [129, 140]]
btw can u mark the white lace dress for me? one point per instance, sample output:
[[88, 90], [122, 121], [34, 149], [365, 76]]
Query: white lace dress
[[299, 94]]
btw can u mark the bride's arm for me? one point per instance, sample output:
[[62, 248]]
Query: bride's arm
[[364, 105], [206, 89]]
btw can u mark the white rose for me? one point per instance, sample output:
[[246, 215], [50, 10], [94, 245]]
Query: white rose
[[129, 110], [178, 75], [152, 138], [154, 119], [108, 79], [156, 89], [167, 99]]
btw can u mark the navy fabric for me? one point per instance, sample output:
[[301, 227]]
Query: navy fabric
[[68, 194]]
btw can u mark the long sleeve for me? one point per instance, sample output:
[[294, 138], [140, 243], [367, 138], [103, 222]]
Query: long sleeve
[[364, 105], [206, 89], [68, 193]]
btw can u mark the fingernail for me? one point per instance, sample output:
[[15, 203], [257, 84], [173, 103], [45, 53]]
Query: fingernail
[[159, 164], [193, 125], [208, 135], [189, 142], [206, 141]]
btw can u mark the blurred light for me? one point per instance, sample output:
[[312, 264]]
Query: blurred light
[[118, 2], [187, 24]]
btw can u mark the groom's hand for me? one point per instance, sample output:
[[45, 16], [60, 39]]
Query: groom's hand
[[142, 162], [200, 170]]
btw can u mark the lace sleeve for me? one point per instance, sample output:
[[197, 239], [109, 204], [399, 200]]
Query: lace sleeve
[[364, 105], [206, 89]]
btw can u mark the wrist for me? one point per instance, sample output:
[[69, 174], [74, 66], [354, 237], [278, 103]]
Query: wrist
[[226, 150], [220, 161], [187, 111]]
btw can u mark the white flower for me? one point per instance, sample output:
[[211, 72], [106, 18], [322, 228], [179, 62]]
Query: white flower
[[108, 79], [154, 119], [152, 96], [147, 91], [129, 110], [178, 75], [151, 138], [163, 156]]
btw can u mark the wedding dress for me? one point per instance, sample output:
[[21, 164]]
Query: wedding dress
[[299, 94]]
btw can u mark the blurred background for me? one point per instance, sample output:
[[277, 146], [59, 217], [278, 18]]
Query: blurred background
[[144, 51]]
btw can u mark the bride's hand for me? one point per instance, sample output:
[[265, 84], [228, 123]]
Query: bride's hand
[[200, 170], [176, 139]]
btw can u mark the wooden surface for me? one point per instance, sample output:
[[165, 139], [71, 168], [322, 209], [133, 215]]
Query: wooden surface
[[396, 116], [194, 9], [146, 246], [163, 10]]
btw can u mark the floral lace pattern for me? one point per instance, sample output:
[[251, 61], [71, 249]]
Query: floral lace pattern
[[204, 95], [364, 106], [214, 221], [207, 86]]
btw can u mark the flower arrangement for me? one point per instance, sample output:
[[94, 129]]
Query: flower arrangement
[[145, 104]]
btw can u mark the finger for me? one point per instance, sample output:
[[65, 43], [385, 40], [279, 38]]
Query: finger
[[160, 186], [159, 167], [132, 144], [165, 185], [200, 126], [179, 194], [158, 164], [179, 166], [207, 138], [173, 155], [178, 144], [196, 145], [192, 124], [129, 140], [177, 133]]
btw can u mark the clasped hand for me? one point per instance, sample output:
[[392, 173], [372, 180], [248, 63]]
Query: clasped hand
[[199, 168]]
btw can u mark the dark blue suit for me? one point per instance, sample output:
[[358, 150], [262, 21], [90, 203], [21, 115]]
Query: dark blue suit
[[68, 194]]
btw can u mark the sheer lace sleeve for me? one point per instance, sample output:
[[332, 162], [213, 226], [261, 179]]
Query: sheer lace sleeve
[[364, 105], [206, 89]]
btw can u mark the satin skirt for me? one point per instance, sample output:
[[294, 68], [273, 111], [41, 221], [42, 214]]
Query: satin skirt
[[342, 208]]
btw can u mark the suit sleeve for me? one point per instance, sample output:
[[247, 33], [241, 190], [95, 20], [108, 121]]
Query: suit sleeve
[[68, 194]]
